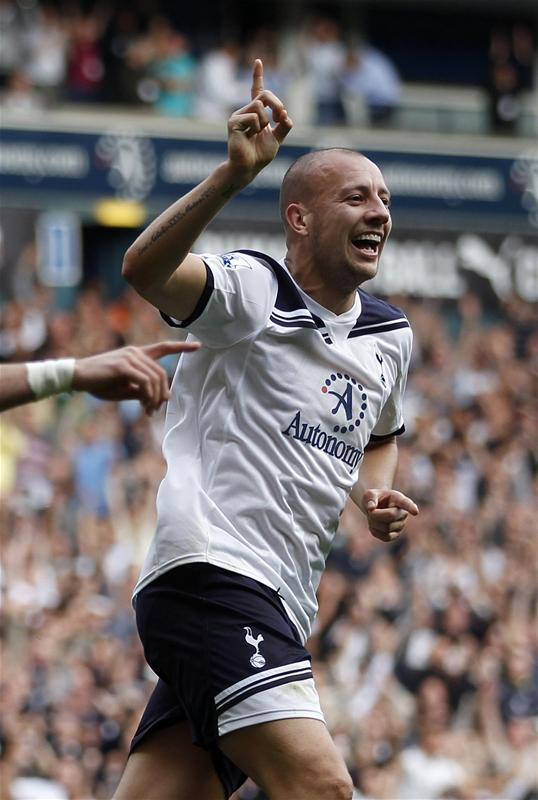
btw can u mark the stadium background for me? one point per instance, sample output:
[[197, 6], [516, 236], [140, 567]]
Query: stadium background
[[425, 651]]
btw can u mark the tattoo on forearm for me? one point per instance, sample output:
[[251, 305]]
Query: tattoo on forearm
[[230, 190], [179, 215]]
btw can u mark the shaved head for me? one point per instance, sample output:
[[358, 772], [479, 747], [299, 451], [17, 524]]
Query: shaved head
[[335, 209], [299, 182]]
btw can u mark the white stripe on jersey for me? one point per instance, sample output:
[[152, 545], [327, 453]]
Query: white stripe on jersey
[[298, 312], [380, 325]]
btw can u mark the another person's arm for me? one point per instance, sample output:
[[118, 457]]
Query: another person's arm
[[385, 508], [159, 264], [127, 373], [14, 387]]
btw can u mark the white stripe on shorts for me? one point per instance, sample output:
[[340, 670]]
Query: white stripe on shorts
[[295, 700], [298, 668]]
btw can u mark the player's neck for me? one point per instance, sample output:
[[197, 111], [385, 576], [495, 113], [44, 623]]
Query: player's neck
[[325, 294]]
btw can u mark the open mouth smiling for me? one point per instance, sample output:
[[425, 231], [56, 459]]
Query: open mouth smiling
[[368, 243]]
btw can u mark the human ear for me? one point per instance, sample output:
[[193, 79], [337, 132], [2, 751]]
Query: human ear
[[296, 218]]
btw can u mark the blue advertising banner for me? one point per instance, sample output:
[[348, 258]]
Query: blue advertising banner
[[468, 192]]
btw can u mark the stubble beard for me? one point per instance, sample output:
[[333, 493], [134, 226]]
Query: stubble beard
[[352, 274], [344, 273]]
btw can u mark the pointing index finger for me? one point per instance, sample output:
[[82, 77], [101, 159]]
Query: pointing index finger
[[160, 349], [257, 78], [396, 499], [408, 505]]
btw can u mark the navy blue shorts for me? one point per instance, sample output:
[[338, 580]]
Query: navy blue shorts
[[227, 656]]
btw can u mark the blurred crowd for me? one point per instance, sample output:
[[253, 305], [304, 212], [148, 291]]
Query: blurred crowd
[[425, 650], [511, 66], [120, 54]]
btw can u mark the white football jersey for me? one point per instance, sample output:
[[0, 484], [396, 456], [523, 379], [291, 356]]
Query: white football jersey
[[267, 424]]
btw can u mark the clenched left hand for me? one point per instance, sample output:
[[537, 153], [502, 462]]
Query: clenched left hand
[[387, 511]]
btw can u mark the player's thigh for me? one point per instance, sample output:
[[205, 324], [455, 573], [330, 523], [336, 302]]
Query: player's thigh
[[290, 758], [167, 766]]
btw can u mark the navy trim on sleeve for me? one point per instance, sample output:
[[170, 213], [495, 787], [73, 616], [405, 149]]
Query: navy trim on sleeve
[[170, 321], [200, 305], [374, 438]]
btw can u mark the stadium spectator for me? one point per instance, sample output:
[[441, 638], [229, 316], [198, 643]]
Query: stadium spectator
[[46, 43], [19, 93], [175, 71], [510, 70], [263, 44], [12, 37], [370, 79], [219, 86], [324, 55], [86, 69], [122, 31], [166, 68], [426, 769]]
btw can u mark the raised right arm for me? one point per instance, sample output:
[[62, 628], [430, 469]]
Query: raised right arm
[[159, 264]]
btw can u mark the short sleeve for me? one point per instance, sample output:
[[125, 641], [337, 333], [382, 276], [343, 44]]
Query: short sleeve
[[237, 300], [391, 421]]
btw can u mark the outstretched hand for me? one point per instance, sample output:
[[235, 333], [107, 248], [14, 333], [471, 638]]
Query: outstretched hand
[[252, 141], [129, 373], [387, 511]]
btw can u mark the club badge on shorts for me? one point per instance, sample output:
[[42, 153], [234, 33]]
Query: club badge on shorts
[[257, 660]]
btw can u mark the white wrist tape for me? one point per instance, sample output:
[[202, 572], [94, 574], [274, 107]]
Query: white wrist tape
[[46, 378]]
